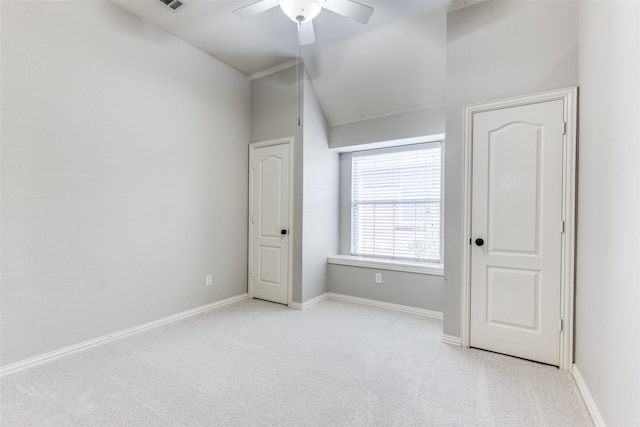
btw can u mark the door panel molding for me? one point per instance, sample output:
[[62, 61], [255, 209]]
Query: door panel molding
[[289, 141], [567, 275]]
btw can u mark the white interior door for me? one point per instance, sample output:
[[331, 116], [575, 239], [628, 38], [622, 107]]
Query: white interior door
[[516, 229], [269, 222]]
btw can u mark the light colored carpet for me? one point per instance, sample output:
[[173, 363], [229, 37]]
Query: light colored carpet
[[255, 363]]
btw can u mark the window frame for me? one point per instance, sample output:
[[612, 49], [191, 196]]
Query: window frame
[[345, 257]]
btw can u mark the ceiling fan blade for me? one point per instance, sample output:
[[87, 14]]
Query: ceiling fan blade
[[307, 34], [350, 9], [255, 8]]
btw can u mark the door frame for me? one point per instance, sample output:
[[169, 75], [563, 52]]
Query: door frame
[[252, 147], [567, 275]]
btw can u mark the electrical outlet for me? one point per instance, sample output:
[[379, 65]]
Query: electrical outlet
[[378, 278], [209, 281]]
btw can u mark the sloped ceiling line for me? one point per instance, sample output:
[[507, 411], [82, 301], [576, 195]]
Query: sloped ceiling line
[[393, 64]]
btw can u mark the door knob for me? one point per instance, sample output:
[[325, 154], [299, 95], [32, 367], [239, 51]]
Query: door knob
[[479, 242], [283, 232]]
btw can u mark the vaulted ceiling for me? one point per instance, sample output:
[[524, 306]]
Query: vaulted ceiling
[[393, 64]]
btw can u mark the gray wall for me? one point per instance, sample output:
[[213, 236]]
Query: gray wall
[[124, 177], [411, 289], [496, 49], [274, 114], [397, 287], [608, 271], [398, 126], [320, 225]]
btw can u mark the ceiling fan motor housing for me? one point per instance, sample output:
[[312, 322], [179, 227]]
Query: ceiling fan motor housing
[[301, 10]]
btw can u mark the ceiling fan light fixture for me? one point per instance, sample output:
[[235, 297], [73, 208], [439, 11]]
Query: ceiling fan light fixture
[[301, 10]]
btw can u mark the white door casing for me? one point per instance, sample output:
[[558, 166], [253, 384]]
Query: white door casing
[[269, 220], [517, 294]]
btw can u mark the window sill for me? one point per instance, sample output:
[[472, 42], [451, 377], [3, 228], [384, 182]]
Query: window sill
[[387, 264]]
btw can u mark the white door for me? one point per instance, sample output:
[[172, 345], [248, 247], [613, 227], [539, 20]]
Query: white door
[[269, 222], [516, 229]]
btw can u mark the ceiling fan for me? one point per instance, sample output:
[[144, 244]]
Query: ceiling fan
[[302, 12]]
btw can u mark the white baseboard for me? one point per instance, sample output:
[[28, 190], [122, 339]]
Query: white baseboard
[[365, 301], [598, 421], [114, 336], [387, 305], [307, 304], [451, 340]]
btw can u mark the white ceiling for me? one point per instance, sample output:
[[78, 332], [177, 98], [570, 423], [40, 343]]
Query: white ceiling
[[393, 64]]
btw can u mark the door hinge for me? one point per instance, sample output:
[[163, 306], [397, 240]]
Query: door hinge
[[561, 324], [564, 128], [252, 219], [561, 226]]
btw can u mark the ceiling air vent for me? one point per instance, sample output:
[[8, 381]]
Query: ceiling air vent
[[173, 4]]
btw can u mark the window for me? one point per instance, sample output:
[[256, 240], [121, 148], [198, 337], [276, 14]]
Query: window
[[396, 204]]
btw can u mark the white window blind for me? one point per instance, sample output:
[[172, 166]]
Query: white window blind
[[396, 203]]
